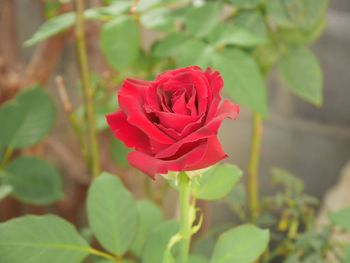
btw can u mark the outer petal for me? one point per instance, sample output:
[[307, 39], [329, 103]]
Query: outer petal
[[131, 100], [130, 135], [216, 84]]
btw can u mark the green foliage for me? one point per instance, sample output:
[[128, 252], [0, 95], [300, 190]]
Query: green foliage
[[197, 259], [157, 241], [216, 182], [341, 218], [150, 216], [5, 190], [245, 3], [243, 79], [243, 244], [119, 153], [27, 119], [199, 21], [302, 73], [120, 42], [112, 214], [160, 19], [33, 181], [41, 239]]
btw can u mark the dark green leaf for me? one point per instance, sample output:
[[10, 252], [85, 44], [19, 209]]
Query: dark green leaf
[[302, 73], [201, 20], [112, 214], [11, 115], [5, 190], [243, 79], [157, 241], [41, 239], [243, 244], [34, 181], [150, 216], [216, 182], [341, 218], [120, 42]]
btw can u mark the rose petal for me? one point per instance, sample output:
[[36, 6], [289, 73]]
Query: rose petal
[[130, 135], [179, 102], [175, 121], [216, 84]]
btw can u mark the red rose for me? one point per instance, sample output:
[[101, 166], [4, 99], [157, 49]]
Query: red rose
[[172, 122]]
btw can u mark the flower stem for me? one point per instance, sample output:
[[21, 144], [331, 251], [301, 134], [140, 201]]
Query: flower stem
[[185, 217], [253, 167], [88, 99]]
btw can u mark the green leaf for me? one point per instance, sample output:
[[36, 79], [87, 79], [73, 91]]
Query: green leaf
[[35, 114], [10, 117], [194, 52], [112, 214], [198, 259], [252, 21], [243, 244], [157, 241], [347, 254], [120, 42], [41, 239], [34, 181], [144, 5], [217, 182], [119, 153], [228, 34], [150, 216], [245, 3], [5, 190], [62, 22], [302, 73], [201, 20], [243, 79], [341, 218], [168, 47], [158, 19]]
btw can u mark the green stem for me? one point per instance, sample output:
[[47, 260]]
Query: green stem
[[185, 217], [6, 159], [253, 167], [92, 140], [104, 255]]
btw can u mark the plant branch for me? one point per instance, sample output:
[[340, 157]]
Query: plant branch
[[253, 167], [91, 136]]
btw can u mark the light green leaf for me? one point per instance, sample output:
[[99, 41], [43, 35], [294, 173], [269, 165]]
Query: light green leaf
[[157, 241], [341, 218], [34, 181], [5, 190], [119, 153], [150, 216], [35, 119], [243, 79], [245, 3], [243, 244], [201, 20], [198, 259], [62, 22], [144, 5], [11, 115], [168, 47], [227, 34], [252, 21], [194, 52], [217, 182], [158, 19], [302, 73], [347, 254], [41, 239], [112, 214], [120, 42]]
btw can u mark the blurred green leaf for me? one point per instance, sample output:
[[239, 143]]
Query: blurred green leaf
[[302, 73], [252, 21], [347, 254], [243, 244], [216, 182], [228, 34], [201, 20], [34, 181], [243, 79], [157, 241], [41, 239], [144, 5], [245, 3], [198, 259], [119, 153], [112, 214], [158, 19], [150, 216], [27, 119], [168, 47], [341, 218], [5, 190], [285, 178], [194, 52], [120, 42]]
